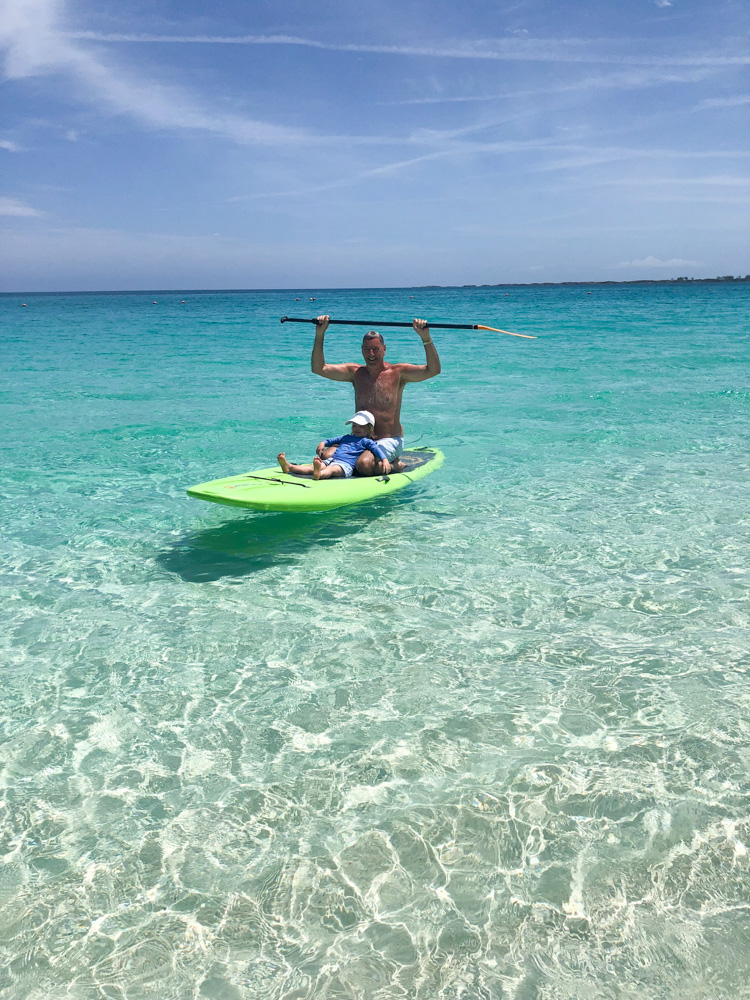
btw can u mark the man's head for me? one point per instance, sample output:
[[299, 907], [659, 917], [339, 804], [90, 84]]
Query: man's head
[[363, 423], [373, 347]]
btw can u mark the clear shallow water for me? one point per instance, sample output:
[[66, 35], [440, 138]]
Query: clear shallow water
[[488, 738]]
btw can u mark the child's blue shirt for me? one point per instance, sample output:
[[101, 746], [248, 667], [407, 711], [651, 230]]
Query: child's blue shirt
[[350, 447]]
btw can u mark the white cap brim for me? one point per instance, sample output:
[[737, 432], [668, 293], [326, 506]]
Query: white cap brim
[[362, 418]]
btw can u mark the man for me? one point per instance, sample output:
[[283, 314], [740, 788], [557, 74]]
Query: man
[[378, 387]]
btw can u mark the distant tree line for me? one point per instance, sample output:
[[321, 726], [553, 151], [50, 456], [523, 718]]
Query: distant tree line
[[721, 277], [632, 281]]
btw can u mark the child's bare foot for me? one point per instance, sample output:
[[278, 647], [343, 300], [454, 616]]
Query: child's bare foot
[[281, 459], [317, 466]]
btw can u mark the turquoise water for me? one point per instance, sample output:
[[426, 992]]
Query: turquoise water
[[486, 738]]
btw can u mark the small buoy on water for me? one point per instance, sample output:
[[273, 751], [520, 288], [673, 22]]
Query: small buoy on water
[[24, 305], [183, 302], [296, 300], [312, 298], [154, 302]]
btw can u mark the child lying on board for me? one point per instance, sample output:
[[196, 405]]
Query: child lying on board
[[350, 447]]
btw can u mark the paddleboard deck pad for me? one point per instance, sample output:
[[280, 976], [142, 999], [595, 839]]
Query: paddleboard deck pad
[[273, 490]]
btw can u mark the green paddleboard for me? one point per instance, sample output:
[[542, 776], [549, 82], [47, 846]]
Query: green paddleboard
[[272, 489]]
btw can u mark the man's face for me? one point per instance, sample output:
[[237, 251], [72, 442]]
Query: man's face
[[373, 350]]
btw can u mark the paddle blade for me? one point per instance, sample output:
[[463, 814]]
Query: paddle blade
[[494, 329]]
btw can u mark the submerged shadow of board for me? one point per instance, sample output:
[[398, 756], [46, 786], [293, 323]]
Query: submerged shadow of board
[[243, 546], [274, 490]]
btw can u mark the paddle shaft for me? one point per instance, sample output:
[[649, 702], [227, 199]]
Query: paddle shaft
[[372, 322], [433, 326]]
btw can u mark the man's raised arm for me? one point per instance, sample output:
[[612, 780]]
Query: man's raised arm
[[339, 373], [420, 373]]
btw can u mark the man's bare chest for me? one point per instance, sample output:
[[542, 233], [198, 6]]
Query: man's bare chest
[[382, 389]]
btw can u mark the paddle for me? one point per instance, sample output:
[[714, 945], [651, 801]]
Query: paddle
[[433, 326]]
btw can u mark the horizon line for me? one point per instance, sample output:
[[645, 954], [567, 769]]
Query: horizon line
[[720, 279]]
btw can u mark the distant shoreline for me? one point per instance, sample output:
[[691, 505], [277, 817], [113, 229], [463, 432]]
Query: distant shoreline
[[727, 279], [722, 280]]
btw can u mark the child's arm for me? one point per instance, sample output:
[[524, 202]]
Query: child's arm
[[374, 447]]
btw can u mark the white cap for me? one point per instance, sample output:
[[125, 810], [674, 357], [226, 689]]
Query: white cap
[[362, 418]]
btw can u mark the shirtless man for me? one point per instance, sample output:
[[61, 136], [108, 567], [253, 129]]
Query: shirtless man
[[378, 387]]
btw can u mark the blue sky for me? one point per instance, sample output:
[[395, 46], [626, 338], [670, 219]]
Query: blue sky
[[287, 144]]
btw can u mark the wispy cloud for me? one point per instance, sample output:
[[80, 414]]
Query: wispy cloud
[[34, 44], [12, 147], [578, 156], [719, 180], [656, 263], [561, 50], [12, 206], [719, 188], [587, 156], [691, 198], [389, 169], [723, 102], [350, 180], [628, 80]]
